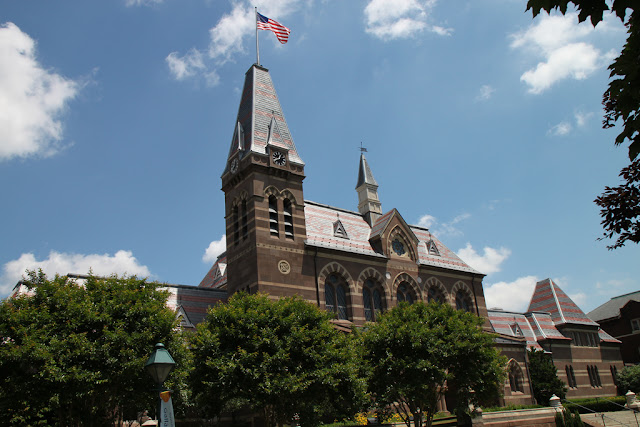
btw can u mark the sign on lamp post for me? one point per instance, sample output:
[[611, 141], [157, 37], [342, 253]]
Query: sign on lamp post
[[159, 365]]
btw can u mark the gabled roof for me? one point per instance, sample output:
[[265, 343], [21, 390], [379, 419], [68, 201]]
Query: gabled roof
[[383, 222], [216, 277], [612, 307], [548, 297], [193, 301], [365, 176], [320, 221], [258, 106], [502, 322]]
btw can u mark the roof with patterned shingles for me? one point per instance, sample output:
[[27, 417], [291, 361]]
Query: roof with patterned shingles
[[548, 297], [259, 104], [320, 233], [216, 277]]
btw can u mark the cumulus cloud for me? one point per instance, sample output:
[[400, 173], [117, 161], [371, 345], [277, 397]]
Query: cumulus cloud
[[185, 66], [561, 129], [227, 39], [32, 98], [441, 229], [487, 263], [130, 3], [485, 93], [62, 263], [393, 19], [558, 41], [511, 296], [215, 248]]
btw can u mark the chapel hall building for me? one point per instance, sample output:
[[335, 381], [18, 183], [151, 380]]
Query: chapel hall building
[[354, 264]]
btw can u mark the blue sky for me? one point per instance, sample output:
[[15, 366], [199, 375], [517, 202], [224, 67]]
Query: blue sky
[[480, 122]]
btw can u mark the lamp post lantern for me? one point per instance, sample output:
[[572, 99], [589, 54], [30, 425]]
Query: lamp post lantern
[[159, 365]]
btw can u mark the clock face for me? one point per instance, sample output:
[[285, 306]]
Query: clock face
[[234, 166], [279, 158], [397, 247]]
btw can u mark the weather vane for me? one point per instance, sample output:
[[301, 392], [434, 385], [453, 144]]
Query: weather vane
[[362, 149]]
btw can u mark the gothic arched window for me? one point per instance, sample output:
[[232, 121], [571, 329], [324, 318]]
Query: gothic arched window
[[515, 377], [373, 298], [335, 296], [273, 216], [435, 294], [405, 293], [463, 301], [236, 225], [245, 228]]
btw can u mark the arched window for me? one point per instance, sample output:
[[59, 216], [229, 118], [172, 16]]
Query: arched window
[[273, 216], [405, 293], [245, 228], [614, 374], [373, 298], [515, 377], [236, 225], [335, 296], [434, 294], [463, 302], [288, 219]]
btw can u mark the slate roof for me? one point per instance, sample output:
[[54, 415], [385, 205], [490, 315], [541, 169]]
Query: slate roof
[[216, 277], [320, 233], [258, 105], [193, 300], [535, 327], [612, 307], [365, 176], [548, 297]]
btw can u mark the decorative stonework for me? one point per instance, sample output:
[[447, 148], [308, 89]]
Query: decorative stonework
[[284, 267]]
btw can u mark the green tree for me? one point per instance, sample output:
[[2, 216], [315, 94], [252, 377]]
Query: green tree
[[629, 379], [280, 357], [620, 206], [74, 354], [417, 353], [544, 377]]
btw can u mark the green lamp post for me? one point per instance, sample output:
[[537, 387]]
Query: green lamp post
[[159, 365]]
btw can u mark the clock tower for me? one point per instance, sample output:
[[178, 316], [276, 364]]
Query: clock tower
[[264, 202]]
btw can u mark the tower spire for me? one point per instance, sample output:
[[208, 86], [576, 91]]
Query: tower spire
[[368, 202]]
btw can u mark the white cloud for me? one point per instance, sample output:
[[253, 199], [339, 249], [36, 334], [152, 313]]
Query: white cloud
[[579, 298], [62, 263], [561, 129], [511, 296], [444, 228], [32, 98], [582, 118], [215, 248], [558, 40], [185, 66], [426, 221], [130, 3], [485, 93], [487, 263], [393, 19], [227, 39]]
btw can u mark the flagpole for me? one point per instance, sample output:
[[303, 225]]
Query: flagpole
[[257, 46]]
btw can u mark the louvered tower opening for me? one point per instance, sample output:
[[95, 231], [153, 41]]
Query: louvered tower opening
[[245, 228], [288, 219], [236, 226], [273, 216]]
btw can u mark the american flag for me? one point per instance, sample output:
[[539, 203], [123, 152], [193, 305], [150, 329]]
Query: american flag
[[281, 32]]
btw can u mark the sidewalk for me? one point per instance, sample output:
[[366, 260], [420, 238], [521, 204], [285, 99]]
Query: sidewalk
[[612, 419]]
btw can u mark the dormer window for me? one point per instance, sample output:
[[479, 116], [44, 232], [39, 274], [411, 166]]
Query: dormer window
[[515, 329], [432, 248], [339, 230]]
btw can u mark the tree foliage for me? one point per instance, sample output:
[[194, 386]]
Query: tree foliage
[[416, 353], [74, 354], [620, 214], [544, 377], [282, 357], [629, 379]]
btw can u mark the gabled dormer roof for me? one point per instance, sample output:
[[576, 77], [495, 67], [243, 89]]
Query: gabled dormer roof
[[260, 105], [382, 224], [548, 297]]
